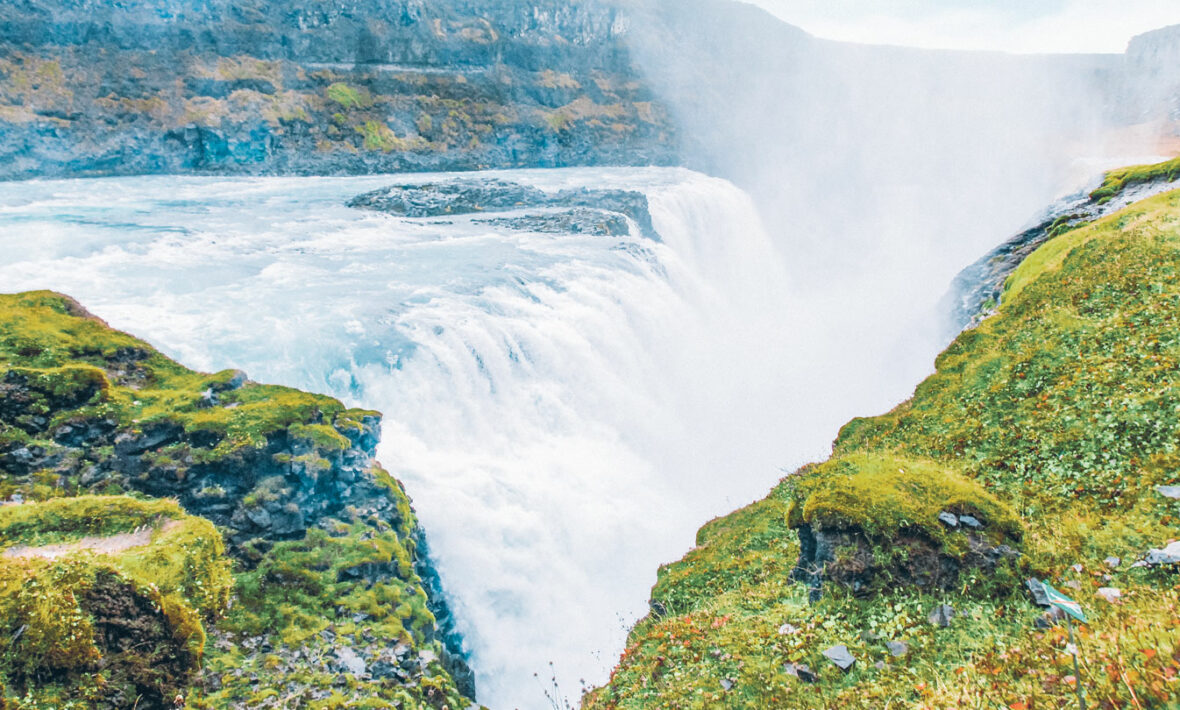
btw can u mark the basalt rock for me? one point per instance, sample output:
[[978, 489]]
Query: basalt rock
[[303, 87], [581, 210], [87, 409], [850, 558]]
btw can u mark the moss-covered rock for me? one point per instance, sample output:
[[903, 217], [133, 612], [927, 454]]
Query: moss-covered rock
[[124, 471], [865, 521], [106, 610]]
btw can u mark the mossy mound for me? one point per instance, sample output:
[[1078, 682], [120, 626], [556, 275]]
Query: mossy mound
[[868, 520], [76, 369], [106, 611], [1052, 423], [1118, 180], [884, 495]]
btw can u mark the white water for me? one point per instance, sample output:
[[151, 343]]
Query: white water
[[565, 411]]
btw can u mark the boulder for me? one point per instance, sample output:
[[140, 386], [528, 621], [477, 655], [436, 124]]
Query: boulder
[[1169, 555], [1038, 592], [970, 521]]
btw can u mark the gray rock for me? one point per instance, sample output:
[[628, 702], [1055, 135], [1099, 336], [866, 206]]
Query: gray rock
[[350, 661], [950, 519], [941, 615], [1110, 594], [840, 656], [1038, 592], [259, 517], [970, 521], [577, 211], [1112, 562], [898, 648], [787, 630], [1169, 555], [800, 671], [1169, 491], [726, 684]]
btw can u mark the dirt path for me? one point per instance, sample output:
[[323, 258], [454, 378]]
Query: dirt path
[[108, 545]]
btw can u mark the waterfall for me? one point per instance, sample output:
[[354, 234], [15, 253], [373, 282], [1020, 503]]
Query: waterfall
[[566, 410]]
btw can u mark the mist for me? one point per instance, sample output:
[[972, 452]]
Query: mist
[[880, 172]]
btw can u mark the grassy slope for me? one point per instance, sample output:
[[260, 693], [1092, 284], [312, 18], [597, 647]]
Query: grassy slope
[[1065, 406], [77, 368]]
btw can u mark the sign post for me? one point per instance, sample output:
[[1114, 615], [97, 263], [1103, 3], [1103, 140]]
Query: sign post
[[1072, 610]]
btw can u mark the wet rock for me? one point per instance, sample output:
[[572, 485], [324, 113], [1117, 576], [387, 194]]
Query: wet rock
[[941, 615], [841, 657], [456, 197], [578, 211], [586, 221], [976, 292]]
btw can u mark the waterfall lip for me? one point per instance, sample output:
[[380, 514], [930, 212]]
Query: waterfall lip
[[547, 397]]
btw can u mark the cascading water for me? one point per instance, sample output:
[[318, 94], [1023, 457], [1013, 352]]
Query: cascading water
[[565, 410]]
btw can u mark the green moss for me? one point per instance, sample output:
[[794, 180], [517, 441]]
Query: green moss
[[1118, 180], [67, 519], [70, 375], [884, 495], [72, 358], [349, 97], [1052, 421]]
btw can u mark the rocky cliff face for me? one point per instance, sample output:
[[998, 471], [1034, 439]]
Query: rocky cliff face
[[1153, 73], [92, 87], [333, 594]]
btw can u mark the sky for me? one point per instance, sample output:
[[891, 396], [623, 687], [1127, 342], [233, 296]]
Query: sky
[[1004, 25]]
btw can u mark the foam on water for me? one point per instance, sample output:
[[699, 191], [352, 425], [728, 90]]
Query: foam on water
[[565, 410]]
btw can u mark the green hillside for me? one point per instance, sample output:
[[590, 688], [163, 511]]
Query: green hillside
[[1050, 427]]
